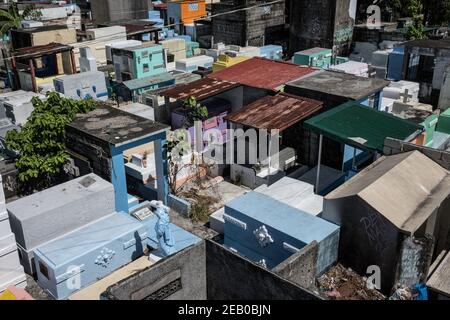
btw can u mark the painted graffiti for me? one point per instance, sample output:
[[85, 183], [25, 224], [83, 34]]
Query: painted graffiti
[[375, 229], [344, 34]]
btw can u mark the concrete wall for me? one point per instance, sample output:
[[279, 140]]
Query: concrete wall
[[229, 276], [344, 20], [208, 270], [92, 150], [113, 10], [415, 261], [321, 23], [311, 24], [64, 36], [394, 146], [300, 268], [366, 239], [181, 276], [245, 27]]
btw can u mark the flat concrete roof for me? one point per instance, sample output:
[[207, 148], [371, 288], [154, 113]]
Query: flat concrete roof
[[114, 126], [340, 84], [58, 196], [280, 216]]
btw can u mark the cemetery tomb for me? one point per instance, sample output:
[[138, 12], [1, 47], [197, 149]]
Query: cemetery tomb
[[268, 231], [51, 213]]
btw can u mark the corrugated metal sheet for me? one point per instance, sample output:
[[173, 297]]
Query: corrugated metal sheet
[[361, 126], [262, 73], [276, 112], [37, 51], [200, 89]]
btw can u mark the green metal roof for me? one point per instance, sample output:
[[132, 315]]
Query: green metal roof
[[443, 124], [135, 84], [362, 127]]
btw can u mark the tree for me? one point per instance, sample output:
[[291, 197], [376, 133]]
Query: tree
[[41, 141], [196, 112], [415, 10], [12, 18], [437, 12], [179, 145]]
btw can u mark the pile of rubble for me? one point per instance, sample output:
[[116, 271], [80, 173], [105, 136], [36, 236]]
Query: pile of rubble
[[340, 283]]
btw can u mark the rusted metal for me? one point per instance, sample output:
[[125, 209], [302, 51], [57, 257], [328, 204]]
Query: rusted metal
[[276, 112], [200, 89]]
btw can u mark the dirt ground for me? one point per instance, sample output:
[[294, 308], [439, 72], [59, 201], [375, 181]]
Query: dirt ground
[[35, 291], [340, 283]]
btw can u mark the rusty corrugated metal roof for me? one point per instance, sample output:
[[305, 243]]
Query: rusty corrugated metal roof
[[200, 89], [263, 73], [276, 112], [37, 51]]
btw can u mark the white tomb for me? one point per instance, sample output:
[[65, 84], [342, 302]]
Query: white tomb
[[359, 69], [91, 84], [119, 45], [54, 212], [18, 106], [193, 63], [87, 60], [296, 193], [11, 271], [396, 89]]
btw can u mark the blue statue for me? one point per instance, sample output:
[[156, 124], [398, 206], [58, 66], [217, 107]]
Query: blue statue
[[162, 228]]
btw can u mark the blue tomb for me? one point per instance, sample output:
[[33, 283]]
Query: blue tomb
[[395, 64], [88, 254], [268, 231]]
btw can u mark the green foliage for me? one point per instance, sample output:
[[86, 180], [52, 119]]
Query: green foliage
[[41, 142], [197, 112], [437, 12], [416, 32], [415, 10], [12, 18]]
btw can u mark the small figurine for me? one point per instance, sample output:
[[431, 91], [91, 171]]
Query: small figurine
[[162, 228]]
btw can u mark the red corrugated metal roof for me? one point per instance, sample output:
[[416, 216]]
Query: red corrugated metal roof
[[276, 112], [200, 89], [262, 73]]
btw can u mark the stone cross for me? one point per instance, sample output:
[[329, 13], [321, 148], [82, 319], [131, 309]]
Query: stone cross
[[406, 96]]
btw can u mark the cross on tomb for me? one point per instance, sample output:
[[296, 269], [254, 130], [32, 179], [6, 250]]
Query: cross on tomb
[[406, 96]]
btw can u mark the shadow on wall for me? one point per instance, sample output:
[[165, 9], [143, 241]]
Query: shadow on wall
[[203, 271]]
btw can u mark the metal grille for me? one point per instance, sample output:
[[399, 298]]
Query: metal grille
[[165, 291]]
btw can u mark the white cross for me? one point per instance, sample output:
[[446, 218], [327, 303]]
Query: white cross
[[405, 96]]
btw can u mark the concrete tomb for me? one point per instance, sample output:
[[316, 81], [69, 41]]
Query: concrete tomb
[[83, 256], [84, 85], [17, 105], [46, 215], [11, 272], [268, 231]]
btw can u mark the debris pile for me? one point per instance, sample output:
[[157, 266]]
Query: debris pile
[[340, 283]]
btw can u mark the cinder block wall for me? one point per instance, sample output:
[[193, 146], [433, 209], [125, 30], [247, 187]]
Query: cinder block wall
[[208, 270], [181, 276], [394, 146], [300, 268], [241, 27]]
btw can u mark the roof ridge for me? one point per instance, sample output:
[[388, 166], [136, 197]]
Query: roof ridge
[[383, 174]]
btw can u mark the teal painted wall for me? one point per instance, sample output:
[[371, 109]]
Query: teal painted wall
[[320, 59], [148, 61]]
